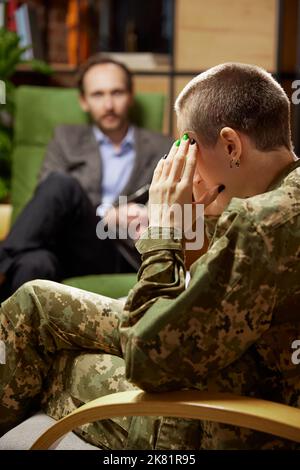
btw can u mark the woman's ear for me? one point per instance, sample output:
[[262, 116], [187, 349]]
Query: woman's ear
[[232, 145]]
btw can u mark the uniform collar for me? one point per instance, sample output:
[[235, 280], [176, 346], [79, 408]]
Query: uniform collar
[[288, 169]]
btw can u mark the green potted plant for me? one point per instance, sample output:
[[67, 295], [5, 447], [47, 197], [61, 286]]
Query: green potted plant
[[10, 57]]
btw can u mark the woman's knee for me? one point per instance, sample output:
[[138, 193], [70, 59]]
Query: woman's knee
[[19, 307], [26, 300]]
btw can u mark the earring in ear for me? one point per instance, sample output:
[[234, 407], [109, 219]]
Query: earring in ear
[[236, 162]]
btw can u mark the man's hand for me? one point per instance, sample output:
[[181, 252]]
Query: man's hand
[[127, 214], [172, 185]]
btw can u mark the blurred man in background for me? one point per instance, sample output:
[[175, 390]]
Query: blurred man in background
[[85, 170]]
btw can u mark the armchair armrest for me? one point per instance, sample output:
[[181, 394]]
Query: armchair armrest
[[260, 415], [5, 218]]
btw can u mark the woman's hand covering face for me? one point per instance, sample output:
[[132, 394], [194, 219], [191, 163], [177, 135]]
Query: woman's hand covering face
[[172, 186]]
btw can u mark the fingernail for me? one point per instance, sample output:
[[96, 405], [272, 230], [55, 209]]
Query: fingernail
[[221, 188], [177, 143], [185, 137], [192, 141]]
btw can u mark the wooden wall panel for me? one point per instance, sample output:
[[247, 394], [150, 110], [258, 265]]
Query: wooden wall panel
[[211, 32], [289, 40]]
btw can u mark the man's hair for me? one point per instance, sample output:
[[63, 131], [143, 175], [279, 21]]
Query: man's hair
[[244, 97], [99, 59]]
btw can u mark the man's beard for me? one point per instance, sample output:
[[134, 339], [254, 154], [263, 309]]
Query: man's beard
[[114, 125]]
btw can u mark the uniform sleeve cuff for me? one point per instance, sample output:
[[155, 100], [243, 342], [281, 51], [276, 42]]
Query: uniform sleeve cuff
[[160, 238]]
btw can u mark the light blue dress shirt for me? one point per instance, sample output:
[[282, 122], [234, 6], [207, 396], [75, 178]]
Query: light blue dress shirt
[[116, 166]]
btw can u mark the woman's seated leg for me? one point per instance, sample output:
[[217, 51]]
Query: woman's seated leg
[[39, 320]]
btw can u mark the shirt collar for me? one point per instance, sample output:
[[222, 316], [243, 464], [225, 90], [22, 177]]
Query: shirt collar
[[101, 138]]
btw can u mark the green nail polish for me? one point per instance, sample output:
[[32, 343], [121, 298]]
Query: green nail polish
[[185, 137], [177, 143]]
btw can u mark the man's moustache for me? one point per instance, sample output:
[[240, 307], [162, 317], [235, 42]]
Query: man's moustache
[[110, 115]]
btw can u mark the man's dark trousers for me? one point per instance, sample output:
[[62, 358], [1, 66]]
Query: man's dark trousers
[[55, 237]]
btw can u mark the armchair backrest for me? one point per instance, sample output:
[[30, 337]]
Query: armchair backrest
[[39, 110]]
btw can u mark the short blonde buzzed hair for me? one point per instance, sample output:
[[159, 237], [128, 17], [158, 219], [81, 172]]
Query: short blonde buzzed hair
[[241, 96]]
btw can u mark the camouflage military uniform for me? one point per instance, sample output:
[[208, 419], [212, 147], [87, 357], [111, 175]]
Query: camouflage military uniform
[[230, 330]]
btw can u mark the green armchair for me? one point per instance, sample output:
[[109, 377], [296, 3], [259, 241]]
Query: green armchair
[[38, 111]]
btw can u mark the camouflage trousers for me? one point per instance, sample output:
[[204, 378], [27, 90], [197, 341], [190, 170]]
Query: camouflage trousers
[[63, 350]]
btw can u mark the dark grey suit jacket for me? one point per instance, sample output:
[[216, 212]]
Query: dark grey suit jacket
[[75, 151]]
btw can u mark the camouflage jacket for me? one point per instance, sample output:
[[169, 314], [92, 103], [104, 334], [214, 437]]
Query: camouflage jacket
[[232, 329]]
